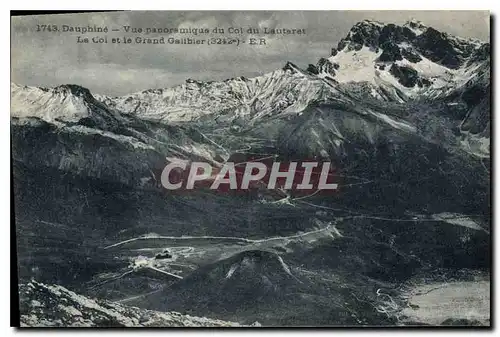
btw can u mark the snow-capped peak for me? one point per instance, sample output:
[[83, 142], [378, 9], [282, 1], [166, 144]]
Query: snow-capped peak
[[392, 62], [402, 62], [62, 104]]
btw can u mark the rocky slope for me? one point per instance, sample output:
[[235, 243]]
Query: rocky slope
[[55, 306]]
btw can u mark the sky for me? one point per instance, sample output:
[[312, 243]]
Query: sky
[[53, 58]]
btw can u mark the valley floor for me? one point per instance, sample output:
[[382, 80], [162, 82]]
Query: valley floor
[[453, 303]]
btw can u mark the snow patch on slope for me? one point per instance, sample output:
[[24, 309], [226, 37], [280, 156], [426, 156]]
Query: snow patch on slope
[[394, 123], [356, 66]]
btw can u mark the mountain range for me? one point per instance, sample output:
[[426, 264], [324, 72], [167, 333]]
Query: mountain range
[[403, 112]]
